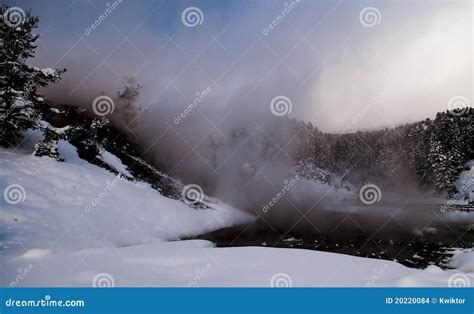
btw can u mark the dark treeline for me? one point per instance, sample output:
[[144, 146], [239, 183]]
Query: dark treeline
[[430, 152]]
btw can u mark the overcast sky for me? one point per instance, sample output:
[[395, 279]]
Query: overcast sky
[[343, 64]]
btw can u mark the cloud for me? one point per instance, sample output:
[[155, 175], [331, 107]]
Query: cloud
[[407, 72]]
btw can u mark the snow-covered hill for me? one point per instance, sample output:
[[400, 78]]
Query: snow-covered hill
[[75, 224], [75, 205]]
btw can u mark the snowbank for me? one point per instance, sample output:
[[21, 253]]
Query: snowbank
[[199, 264], [463, 261]]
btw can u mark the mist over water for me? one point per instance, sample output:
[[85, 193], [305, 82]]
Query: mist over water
[[336, 73]]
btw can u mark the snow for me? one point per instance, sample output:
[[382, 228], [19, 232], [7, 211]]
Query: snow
[[46, 125], [49, 71], [46, 71], [463, 261], [20, 103], [177, 263], [79, 221], [77, 205], [114, 162], [292, 240], [465, 183]]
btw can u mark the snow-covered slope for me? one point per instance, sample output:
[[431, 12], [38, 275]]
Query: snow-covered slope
[[75, 224], [74, 205]]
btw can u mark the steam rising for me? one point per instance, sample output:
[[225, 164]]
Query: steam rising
[[404, 69]]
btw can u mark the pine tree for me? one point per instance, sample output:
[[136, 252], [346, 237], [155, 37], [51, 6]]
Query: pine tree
[[49, 146], [86, 134], [21, 107]]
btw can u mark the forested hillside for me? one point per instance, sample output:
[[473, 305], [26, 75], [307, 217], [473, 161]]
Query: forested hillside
[[432, 152]]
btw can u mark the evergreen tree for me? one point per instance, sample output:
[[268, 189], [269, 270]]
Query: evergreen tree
[[86, 134], [21, 107], [49, 146]]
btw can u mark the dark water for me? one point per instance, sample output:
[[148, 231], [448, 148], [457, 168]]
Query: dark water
[[416, 251]]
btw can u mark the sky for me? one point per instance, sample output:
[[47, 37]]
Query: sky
[[339, 68]]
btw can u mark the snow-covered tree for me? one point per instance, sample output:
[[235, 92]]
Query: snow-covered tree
[[86, 133], [49, 146], [21, 107]]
